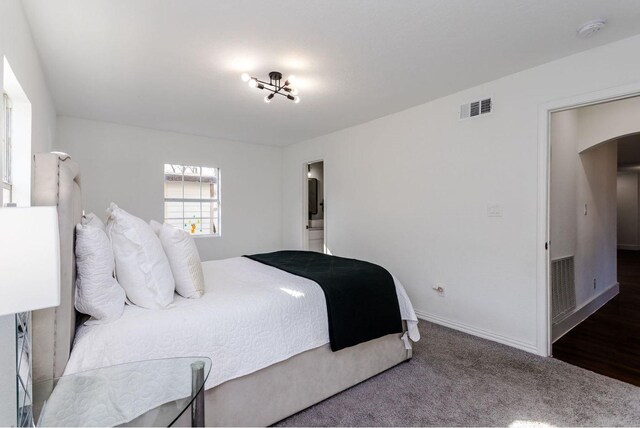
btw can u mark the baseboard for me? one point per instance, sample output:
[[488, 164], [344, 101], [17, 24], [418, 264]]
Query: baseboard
[[475, 331], [628, 247], [583, 312]]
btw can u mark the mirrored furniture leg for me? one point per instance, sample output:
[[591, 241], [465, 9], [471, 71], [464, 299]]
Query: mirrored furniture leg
[[23, 370], [197, 392]]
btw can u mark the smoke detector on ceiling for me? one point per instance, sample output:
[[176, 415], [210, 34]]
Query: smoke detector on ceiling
[[590, 28]]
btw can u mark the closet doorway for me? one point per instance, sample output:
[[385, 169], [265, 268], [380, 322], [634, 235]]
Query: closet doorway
[[314, 208]]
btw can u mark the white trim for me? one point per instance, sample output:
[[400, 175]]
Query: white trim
[[585, 311], [543, 300], [475, 331]]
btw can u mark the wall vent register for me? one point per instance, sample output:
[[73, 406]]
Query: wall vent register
[[563, 288], [476, 108]]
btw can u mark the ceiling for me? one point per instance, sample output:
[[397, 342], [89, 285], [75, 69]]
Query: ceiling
[[176, 64]]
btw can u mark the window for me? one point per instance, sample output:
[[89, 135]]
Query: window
[[192, 198], [5, 156]]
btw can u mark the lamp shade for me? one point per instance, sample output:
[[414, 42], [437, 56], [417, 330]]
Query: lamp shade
[[29, 259]]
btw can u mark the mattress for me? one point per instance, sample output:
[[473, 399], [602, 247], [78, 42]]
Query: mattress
[[250, 317]]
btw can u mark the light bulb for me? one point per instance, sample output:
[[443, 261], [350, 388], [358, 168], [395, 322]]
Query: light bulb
[[245, 77], [296, 99], [253, 82], [291, 80], [294, 91], [267, 99]]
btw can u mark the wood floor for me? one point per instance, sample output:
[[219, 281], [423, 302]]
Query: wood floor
[[608, 342]]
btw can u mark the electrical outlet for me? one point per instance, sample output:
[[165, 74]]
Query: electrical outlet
[[494, 210]]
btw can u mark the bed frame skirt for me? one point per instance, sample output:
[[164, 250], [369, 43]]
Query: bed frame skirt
[[271, 394]]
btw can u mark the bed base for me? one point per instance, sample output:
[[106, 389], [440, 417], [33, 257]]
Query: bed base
[[271, 394]]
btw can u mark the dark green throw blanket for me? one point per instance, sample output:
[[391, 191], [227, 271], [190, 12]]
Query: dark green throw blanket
[[362, 303]]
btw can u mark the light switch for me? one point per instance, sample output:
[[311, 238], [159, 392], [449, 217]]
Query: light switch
[[494, 211]]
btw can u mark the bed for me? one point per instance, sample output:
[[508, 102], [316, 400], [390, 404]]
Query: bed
[[264, 329]]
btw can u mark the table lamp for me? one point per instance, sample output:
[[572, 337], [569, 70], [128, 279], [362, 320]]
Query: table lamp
[[29, 259], [29, 280]]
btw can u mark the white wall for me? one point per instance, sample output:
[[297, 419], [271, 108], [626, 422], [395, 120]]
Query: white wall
[[17, 46], [579, 180], [628, 210], [602, 122], [596, 231], [563, 205], [411, 190], [124, 164]]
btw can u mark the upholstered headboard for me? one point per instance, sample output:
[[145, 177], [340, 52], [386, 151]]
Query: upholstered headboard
[[57, 183]]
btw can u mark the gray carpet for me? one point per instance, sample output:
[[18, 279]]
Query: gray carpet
[[455, 379]]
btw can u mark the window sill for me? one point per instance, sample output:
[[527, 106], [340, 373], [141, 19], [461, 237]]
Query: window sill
[[206, 235]]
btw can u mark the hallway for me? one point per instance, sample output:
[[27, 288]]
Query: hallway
[[608, 342]]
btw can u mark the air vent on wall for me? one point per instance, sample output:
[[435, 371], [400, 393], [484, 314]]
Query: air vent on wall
[[563, 288], [475, 108]]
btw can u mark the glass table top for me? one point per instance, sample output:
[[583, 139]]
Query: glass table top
[[143, 393]]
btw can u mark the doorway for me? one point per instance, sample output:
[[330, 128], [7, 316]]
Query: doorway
[[315, 231], [594, 233]]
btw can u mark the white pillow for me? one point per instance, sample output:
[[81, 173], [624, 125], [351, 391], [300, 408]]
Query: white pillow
[[92, 220], [184, 259], [97, 292], [142, 267]]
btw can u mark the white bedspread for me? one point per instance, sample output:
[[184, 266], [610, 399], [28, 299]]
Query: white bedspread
[[250, 317]]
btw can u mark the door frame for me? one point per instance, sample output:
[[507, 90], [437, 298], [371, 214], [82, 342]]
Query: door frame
[[305, 204], [543, 262]]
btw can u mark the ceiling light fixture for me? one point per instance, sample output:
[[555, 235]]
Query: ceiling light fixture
[[274, 85]]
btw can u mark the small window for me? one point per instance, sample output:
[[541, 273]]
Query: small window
[[5, 154], [192, 198]]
